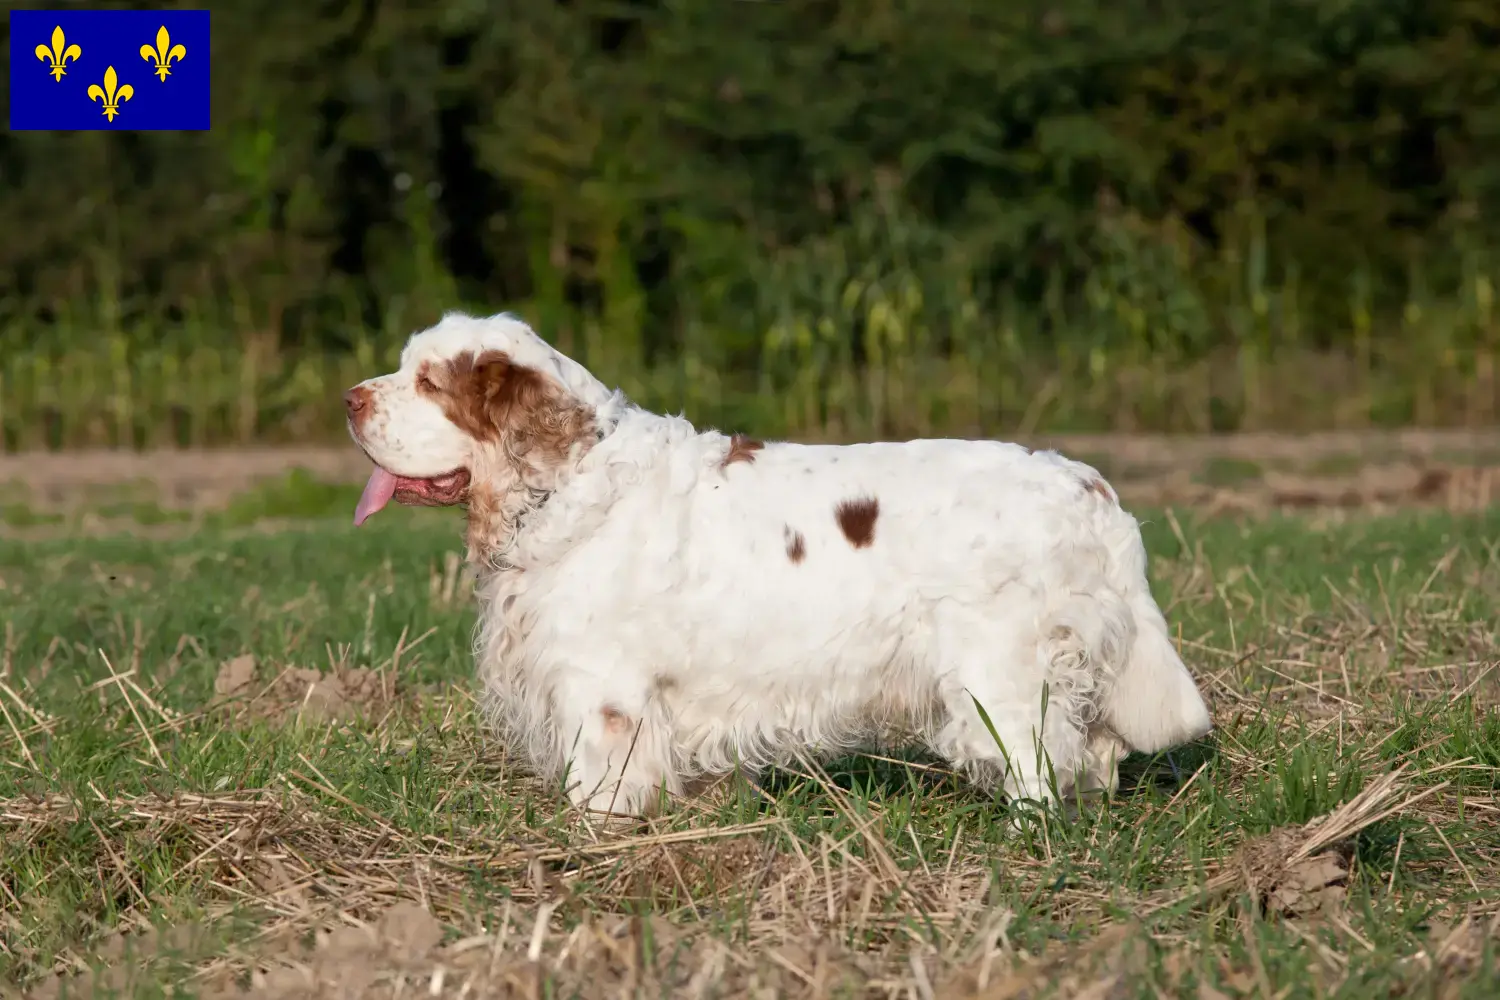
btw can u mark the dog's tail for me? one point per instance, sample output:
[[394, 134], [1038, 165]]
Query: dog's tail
[[1151, 700]]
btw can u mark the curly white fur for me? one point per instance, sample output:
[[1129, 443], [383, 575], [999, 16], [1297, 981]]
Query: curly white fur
[[650, 614]]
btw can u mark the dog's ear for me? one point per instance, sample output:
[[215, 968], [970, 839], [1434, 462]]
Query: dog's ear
[[529, 416]]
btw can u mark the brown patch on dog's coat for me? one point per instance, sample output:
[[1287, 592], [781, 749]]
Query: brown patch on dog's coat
[[1100, 488], [533, 424], [856, 519], [616, 722], [741, 449], [796, 545], [493, 399]]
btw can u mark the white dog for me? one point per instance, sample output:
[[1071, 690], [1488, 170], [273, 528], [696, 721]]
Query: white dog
[[660, 604]]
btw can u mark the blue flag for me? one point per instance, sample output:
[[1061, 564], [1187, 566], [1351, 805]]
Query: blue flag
[[126, 70]]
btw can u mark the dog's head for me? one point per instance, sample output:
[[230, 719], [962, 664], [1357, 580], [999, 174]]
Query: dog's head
[[479, 409]]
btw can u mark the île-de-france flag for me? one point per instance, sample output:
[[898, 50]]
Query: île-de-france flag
[[127, 70]]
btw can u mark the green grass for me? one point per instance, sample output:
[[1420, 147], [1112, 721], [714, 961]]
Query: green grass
[[1333, 651]]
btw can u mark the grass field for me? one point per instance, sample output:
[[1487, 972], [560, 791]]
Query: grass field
[[244, 758]]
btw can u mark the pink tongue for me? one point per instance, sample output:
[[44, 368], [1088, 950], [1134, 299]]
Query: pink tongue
[[378, 493]]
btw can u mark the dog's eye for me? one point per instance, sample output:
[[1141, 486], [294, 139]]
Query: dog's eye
[[426, 384]]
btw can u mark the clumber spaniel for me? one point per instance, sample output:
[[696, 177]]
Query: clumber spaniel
[[660, 604]]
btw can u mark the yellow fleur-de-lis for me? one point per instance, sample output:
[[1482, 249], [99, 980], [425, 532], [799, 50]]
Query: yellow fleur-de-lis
[[59, 54], [164, 53], [110, 94]]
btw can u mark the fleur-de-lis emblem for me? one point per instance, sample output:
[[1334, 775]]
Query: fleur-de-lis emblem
[[110, 94], [164, 54], [59, 54]]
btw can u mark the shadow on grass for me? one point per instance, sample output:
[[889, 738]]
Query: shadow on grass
[[901, 772], [915, 771], [1167, 771]]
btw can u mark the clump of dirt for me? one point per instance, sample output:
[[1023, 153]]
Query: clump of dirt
[[1287, 884], [1457, 951], [301, 692], [1300, 871], [235, 677], [125, 961], [355, 961]]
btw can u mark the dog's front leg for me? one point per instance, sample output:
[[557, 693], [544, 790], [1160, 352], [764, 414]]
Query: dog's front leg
[[615, 760]]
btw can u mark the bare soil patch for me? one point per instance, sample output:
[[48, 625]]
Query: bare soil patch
[[185, 479], [295, 693], [1455, 470]]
